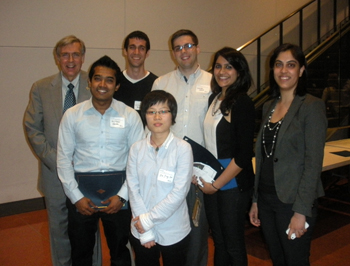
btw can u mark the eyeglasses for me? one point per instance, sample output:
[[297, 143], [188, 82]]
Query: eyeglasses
[[67, 56], [161, 112], [186, 46]]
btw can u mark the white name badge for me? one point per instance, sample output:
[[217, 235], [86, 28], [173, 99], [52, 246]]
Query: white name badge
[[117, 122], [203, 88], [166, 176], [137, 105]]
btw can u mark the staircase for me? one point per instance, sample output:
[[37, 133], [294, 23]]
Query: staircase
[[322, 29]]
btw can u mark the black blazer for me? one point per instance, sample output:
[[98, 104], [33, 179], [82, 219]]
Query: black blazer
[[242, 128], [298, 156]]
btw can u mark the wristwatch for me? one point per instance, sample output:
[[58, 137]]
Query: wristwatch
[[122, 199]]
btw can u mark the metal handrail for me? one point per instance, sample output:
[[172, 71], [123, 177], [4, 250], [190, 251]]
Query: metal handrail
[[262, 96], [273, 27], [262, 88]]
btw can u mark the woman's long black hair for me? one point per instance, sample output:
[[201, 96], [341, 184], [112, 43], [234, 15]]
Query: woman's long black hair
[[240, 86]]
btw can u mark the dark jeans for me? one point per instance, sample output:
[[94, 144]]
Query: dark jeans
[[275, 217], [226, 213], [82, 229], [173, 255]]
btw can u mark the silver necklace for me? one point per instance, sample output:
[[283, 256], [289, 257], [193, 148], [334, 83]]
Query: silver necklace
[[276, 127], [213, 112]]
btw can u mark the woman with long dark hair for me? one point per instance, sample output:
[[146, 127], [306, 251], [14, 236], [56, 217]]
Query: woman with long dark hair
[[229, 133]]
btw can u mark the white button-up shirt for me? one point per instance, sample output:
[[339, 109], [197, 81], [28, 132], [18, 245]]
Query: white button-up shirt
[[192, 101]]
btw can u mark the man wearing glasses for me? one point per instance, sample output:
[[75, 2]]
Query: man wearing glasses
[[135, 81], [49, 99], [190, 86]]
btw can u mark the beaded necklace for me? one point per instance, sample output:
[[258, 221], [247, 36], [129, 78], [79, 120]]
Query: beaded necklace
[[276, 128]]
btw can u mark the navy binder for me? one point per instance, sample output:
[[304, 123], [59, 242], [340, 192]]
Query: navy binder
[[101, 186], [201, 154]]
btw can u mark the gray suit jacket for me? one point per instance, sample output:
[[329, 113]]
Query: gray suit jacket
[[42, 119], [298, 156]]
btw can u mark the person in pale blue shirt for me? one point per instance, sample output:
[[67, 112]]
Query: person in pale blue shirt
[[190, 85], [159, 174], [95, 137]]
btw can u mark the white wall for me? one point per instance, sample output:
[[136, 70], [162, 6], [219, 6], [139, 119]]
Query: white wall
[[30, 29]]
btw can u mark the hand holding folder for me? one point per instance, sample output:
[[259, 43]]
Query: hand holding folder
[[204, 157], [206, 164], [113, 205], [84, 206], [101, 188]]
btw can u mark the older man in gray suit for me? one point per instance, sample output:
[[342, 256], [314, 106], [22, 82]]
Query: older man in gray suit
[[49, 98]]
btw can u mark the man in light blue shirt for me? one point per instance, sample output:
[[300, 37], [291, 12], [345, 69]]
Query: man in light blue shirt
[[95, 136]]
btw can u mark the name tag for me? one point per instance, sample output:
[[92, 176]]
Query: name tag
[[203, 88], [118, 122], [166, 176], [137, 105]]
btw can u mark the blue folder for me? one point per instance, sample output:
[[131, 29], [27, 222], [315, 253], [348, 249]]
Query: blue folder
[[101, 186]]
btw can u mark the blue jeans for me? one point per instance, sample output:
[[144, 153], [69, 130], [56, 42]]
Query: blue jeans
[[226, 213], [275, 217]]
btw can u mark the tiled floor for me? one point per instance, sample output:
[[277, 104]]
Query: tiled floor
[[24, 242]]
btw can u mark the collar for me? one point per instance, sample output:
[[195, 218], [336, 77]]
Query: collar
[[134, 80], [166, 142], [65, 81], [195, 74], [90, 106]]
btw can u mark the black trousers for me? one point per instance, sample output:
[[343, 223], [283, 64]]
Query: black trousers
[[275, 217], [197, 253], [82, 229], [226, 211], [173, 255]]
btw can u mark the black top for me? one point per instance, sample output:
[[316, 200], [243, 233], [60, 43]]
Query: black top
[[129, 92], [235, 139], [266, 181], [224, 144]]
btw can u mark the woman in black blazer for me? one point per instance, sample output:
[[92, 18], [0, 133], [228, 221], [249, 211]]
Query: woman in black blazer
[[289, 156], [229, 134]]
